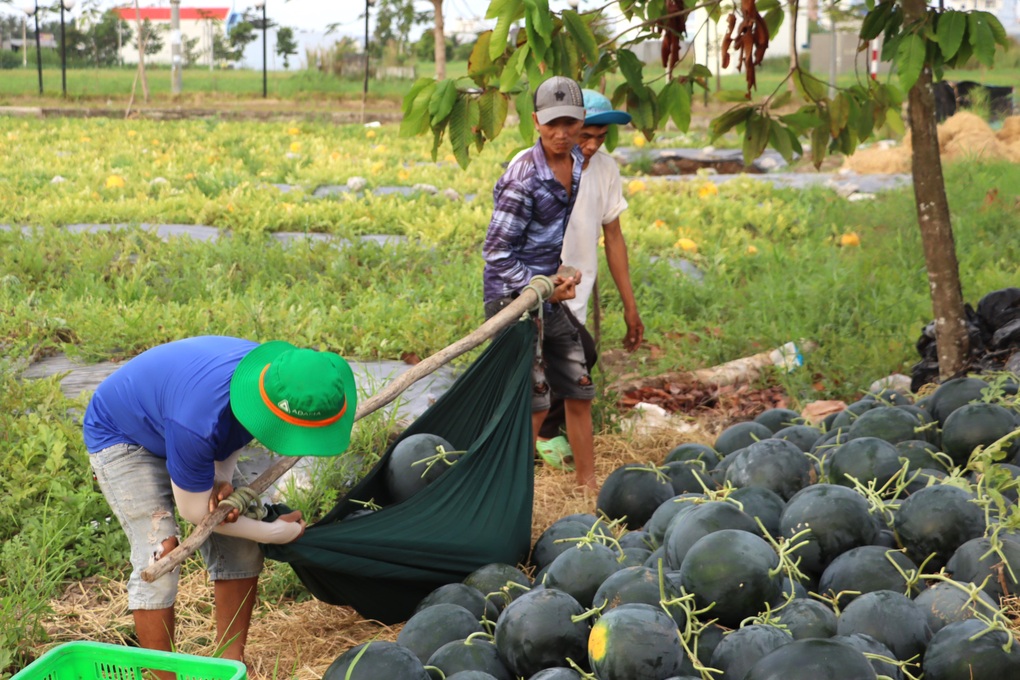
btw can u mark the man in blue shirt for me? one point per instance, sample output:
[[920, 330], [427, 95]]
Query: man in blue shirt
[[532, 204], [164, 432]]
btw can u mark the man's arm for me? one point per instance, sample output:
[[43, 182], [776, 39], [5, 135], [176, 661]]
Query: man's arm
[[511, 214], [616, 258]]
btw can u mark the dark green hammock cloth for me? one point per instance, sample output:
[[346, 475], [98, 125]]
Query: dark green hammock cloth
[[479, 511]]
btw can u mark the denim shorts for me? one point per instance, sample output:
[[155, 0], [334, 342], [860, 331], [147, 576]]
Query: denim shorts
[[560, 369], [136, 484]]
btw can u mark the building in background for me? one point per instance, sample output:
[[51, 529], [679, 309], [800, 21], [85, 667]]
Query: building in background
[[200, 24]]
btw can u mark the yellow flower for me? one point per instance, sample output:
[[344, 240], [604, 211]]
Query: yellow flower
[[293, 131], [156, 142], [708, 190], [850, 240], [86, 139], [335, 156], [686, 245], [639, 140], [377, 167], [752, 250], [295, 147], [381, 148], [190, 175], [635, 186], [230, 207], [403, 175], [115, 182], [450, 158], [12, 135], [370, 134], [659, 224], [131, 133]]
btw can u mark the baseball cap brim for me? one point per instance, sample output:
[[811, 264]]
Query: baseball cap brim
[[608, 118], [275, 434], [546, 116]]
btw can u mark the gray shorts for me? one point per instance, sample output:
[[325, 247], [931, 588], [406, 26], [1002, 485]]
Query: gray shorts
[[136, 484], [560, 369]]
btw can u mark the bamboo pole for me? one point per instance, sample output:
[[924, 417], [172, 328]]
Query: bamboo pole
[[527, 301]]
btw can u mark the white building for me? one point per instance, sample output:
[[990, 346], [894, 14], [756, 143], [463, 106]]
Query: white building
[[1007, 11], [201, 23]]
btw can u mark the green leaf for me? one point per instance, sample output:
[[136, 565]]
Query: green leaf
[[839, 113], [612, 137], [538, 25], [631, 67], [773, 20], [779, 138], [500, 35], [413, 93], [981, 38], [726, 121], [681, 113], [952, 26], [511, 75], [416, 120], [819, 144], [641, 105], [768, 5], [498, 8], [492, 109], [582, 35], [442, 101], [910, 60], [863, 118], [732, 96], [963, 55], [998, 30], [806, 117], [895, 121], [699, 71], [781, 99], [756, 137], [480, 63], [875, 21], [525, 107], [809, 87]]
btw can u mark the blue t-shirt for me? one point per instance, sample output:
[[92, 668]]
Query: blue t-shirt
[[174, 400]]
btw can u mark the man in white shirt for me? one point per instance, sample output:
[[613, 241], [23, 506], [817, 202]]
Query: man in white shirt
[[600, 201]]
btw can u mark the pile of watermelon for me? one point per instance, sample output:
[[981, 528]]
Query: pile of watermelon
[[879, 543]]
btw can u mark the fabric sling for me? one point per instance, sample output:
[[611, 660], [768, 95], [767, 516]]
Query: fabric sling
[[478, 512]]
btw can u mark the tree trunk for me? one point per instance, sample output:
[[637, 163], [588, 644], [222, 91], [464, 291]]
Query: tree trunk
[[440, 41], [933, 218], [794, 12]]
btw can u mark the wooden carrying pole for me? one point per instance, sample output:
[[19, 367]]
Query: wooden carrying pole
[[528, 299]]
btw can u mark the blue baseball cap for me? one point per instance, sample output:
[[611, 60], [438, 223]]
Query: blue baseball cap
[[599, 111]]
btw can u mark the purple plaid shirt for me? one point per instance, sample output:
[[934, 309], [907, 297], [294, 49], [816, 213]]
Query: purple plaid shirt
[[529, 218]]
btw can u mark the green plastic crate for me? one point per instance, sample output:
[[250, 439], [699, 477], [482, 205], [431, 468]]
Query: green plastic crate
[[101, 661]]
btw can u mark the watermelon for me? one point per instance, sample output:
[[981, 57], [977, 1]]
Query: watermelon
[[865, 459], [536, 631], [864, 569], [688, 476], [463, 595], [778, 418], [774, 464], [870, 646], [813, 659], [741, 648], [919, 454], [801, 436], [693, 451], [374, 660], [689, 527], [974, 425], [556, 539], [888, 423], [735, 572], [638, 539], [500, 584], [936, 521], [996, 566], [631, 493], [760, 503], [846, 417], [953, 394], [891, 618], [637, 585], [838, 519], [557, 674], [945, 603], [432, 627], [966, 650], [469, 654], [580, 570], [409, 468], [740, 435], [635, 642], [807, 618]]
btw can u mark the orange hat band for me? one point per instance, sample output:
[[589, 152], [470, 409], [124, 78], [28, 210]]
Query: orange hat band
[[288, 418]]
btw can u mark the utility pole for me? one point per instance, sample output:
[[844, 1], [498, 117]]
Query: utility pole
[[38, 47], [176, 56], [24, 42]]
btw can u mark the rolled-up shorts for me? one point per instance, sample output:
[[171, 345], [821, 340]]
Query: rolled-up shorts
[[560, 369], [136, 484]]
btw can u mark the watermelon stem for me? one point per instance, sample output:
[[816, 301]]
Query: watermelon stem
[[441, 456], [902, 665], [370, 504], [478, 634], [911, 577], [594, 611], [785, 548], [997, 620], [584, 674]]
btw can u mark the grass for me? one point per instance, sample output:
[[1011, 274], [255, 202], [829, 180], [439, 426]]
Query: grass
[[112, 295]]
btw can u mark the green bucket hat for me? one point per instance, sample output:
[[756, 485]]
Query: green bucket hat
[[296, 402]]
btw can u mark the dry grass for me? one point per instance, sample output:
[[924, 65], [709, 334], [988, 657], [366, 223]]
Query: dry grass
[[300, 640]]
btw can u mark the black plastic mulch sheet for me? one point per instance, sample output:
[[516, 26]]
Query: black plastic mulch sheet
[[479, 511]]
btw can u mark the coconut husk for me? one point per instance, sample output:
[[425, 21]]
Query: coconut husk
[[964, 136]]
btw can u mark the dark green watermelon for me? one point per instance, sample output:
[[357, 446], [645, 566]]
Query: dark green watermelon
[[556, 539], [864, 569], [432, 627], [945, 603], [891, 618], [807, 618], [999, 570], [920, 454], [638, 539], [634, 557], [374, 660], [888, 423], [658, 523], [469, 654], [739, 435], [580, 570], [463, 595], [838, 519], [635, 642], [865, 459], [689, 476], [536, 631], [501, 584], [693, 451], [831, 440], [936, 521], [974, 425], [735, 572], [774, 464], [870, 646], [557, 674], [846, 417], [801, 436], [409, 468], [813, 659], [740, 649], [953, 394], [471, 675], [686, 529], [637, 585], [631, 493], [762, 504], [778, 418], [966, 650]]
